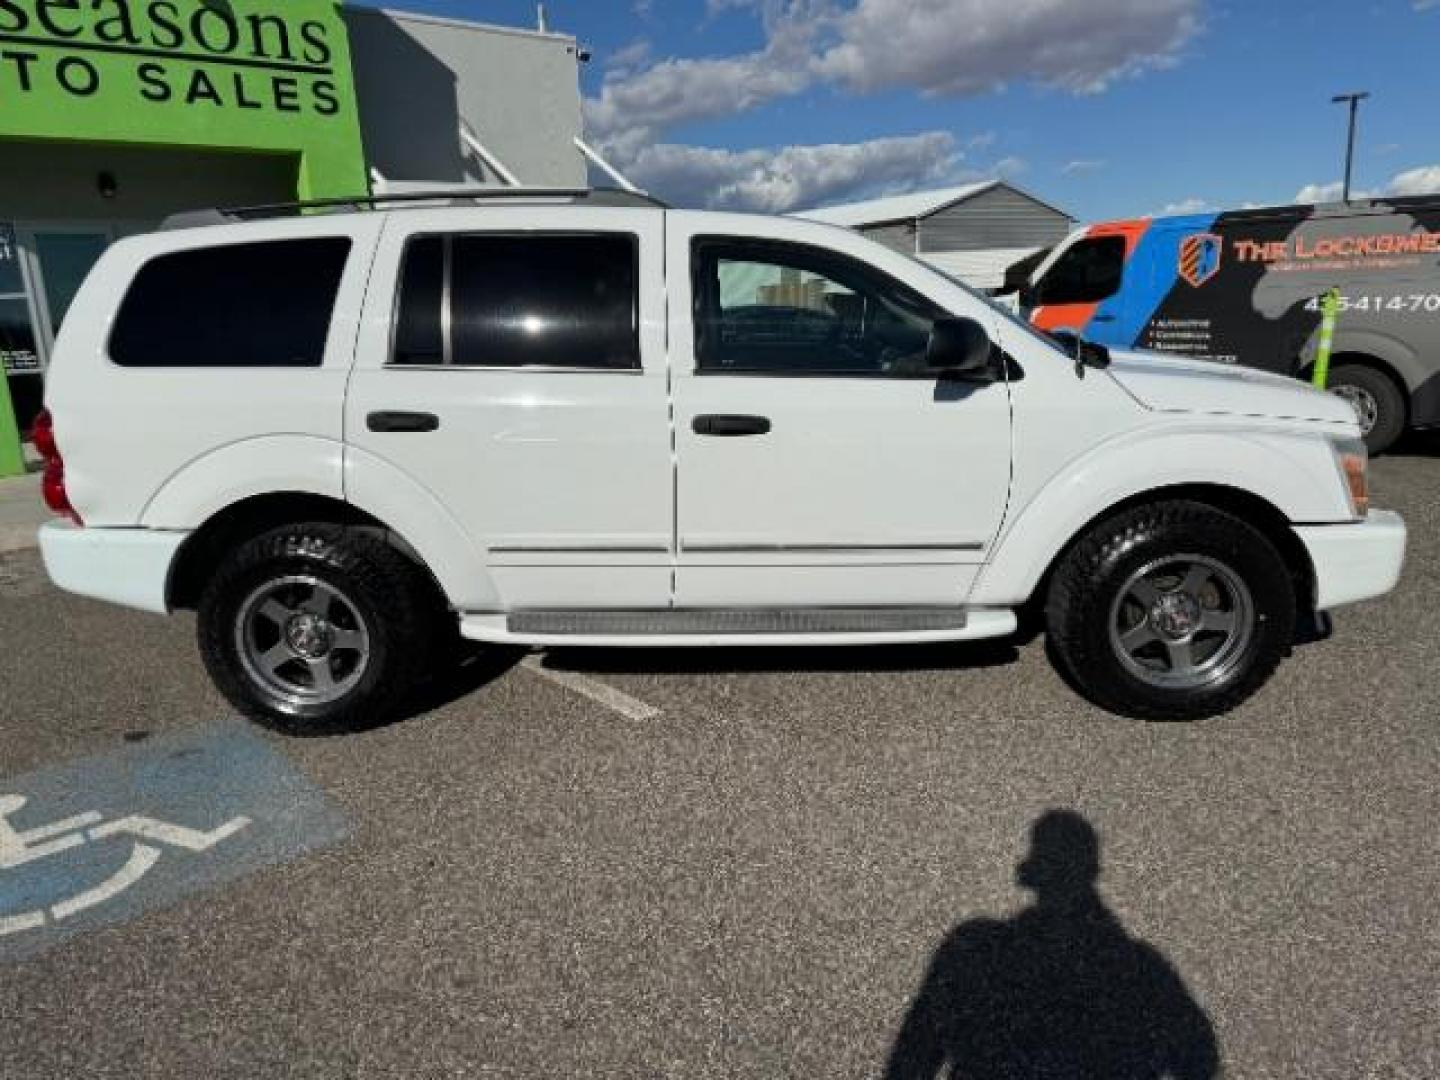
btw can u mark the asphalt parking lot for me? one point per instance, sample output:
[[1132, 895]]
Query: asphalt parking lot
[[724, 864]]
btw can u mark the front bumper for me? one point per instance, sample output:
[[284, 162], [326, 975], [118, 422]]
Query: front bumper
[[123, 566], [1355, 561]]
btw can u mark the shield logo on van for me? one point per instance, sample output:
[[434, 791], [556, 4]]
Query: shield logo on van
[[1199, 258]]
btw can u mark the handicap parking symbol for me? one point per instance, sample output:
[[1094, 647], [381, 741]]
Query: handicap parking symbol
[[18, 848], [103, 840]]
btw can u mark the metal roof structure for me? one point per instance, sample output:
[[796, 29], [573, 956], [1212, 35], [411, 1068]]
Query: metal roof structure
[[916, 204]]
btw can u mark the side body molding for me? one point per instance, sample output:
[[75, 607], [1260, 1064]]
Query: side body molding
[[1294, 474]]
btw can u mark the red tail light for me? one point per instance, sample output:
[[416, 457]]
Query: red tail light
[[52, 483]]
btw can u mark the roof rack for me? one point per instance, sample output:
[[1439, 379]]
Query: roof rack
[[600, 196]]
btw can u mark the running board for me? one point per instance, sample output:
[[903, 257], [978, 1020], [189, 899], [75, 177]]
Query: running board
[[739, 626]]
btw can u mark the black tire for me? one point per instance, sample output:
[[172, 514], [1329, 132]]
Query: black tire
[[1371, 389], [1089, 596], [384, 600]]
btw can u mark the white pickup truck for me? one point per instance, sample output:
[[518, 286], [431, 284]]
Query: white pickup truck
[[550, 418]]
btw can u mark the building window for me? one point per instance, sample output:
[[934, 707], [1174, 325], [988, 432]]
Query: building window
[[242, 305], [554, 301]]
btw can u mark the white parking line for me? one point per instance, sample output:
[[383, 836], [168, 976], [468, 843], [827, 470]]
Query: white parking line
[[594, 689]]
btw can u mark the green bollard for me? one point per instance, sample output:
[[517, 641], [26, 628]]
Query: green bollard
[[1329, 308], [12, 459]]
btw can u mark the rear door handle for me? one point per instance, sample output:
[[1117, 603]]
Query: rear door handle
[[395, 420], [730, 424]]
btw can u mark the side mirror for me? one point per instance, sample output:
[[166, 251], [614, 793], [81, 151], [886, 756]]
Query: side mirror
[[959, 349]]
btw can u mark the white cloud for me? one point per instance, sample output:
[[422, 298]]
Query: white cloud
[[1323, 193], [1424, 5], [1192, 205], [636, 107], [1081, 165], [1422, 181], [933, 46], [625, 60], [972, 46], [792, 177]]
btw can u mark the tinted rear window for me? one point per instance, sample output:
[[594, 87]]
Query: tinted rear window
[[535, 300], [244, 305]]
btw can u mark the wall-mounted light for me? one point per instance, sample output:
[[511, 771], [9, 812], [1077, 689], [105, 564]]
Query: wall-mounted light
[[107, 185]]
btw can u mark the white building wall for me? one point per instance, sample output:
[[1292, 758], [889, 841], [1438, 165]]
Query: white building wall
[[418, 77], [978, 269]]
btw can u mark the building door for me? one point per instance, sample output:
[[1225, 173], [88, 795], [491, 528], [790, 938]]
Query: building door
[[60, 257], [19, 339]]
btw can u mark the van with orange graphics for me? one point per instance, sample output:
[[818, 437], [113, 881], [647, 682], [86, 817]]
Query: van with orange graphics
[[1244, 287]]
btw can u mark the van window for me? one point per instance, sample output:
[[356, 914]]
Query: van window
[[265, 304], [560, 301], [1089, 271]]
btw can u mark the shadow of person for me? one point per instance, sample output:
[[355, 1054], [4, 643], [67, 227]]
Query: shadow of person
[[1059, 991]]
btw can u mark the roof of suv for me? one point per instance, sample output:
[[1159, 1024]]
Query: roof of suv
[[602, 196]]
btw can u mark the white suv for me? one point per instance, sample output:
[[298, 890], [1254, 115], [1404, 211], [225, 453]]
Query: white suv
[[553, 418]]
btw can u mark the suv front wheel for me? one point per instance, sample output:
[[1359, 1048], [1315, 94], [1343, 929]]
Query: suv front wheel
[[1172, 611], [315, 627]]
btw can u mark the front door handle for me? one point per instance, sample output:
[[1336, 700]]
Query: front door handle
[[730, 425], [396, 420]]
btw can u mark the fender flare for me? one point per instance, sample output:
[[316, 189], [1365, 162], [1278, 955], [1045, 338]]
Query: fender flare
[[1278, 469], [229, 474], [311, 465], [390, 494]]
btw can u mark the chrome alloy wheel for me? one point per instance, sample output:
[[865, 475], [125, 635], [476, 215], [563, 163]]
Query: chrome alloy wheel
[[302, 641], [1367, 409], [1182, 622]]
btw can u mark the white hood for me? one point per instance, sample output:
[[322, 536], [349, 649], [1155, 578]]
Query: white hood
[[1168, 384]]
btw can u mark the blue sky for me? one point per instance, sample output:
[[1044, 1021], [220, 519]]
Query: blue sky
[[1107, 108]]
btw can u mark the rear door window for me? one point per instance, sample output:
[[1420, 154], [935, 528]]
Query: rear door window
[[264, 304], [533, 300]]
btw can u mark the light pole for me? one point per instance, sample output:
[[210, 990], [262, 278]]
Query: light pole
[[1354, 100]]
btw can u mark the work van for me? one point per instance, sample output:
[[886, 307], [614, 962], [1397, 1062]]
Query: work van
[[1244, 287]]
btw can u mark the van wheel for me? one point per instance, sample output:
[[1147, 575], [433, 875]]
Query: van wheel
[[1172, 611], [314, 627], [1377, 401]]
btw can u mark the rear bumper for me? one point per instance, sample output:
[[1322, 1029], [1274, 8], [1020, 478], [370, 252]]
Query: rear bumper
[[1355, 561], [123, 566]]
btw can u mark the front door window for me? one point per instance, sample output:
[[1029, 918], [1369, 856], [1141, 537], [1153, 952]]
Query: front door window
[[793, 310]]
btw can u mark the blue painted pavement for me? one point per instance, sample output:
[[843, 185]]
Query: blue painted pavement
[[101, 840]]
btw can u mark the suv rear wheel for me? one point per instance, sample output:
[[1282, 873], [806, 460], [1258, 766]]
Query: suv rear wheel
[[1172, 611], [315, 626]]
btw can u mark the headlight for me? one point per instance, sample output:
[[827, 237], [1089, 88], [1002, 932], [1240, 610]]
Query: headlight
[[1353, 461]]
